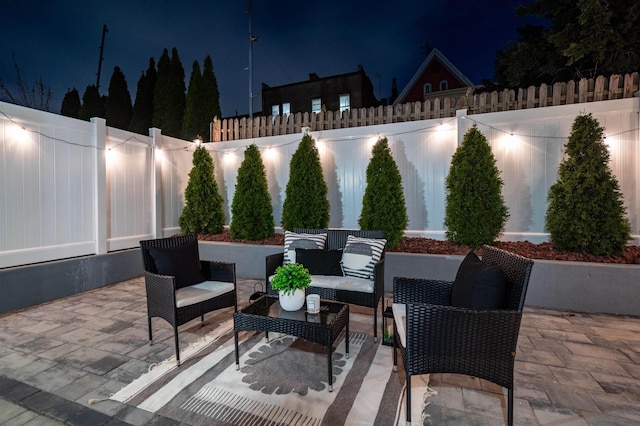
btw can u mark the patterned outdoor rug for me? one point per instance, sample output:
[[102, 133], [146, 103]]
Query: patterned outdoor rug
[[280, 382]]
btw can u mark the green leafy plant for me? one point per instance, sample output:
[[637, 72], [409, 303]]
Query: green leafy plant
[[475, 211], [203, 211], [251, 211], [586, 210], [383, 205], [306, 204], [291, 277]]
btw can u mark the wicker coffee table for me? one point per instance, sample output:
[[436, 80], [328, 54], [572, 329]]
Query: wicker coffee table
[[265, 314]]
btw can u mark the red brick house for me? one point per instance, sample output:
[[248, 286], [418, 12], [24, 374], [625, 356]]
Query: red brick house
[[436, 75]]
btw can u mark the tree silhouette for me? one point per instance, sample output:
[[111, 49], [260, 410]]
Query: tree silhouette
[[92, 104], [118, 104], [71, 104], [194, 104], [142, 118]]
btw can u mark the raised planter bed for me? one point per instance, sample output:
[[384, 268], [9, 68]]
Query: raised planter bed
[[565, 285]]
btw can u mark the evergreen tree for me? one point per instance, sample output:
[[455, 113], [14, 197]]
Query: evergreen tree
[[211, 107], [580, 39], [161, 92], [475, 211], [190, 124], [71, 104], [383, 205], [586, 210], [251, 212], [92, 104], [306, 204], [142, 119], [118, 103], [203, 211], [177, 97]]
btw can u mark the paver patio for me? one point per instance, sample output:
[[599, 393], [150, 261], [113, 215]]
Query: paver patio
[[571, 368]]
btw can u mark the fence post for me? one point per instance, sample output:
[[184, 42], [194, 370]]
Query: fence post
[[99, 136], [157, 220]]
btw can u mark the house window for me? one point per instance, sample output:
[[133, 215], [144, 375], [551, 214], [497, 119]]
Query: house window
[[316, 105], [286, 108], [345, 102], [275, 110], [444, 85], [426, 89]]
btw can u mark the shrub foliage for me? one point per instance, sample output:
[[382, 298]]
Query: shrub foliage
[[475, 211], [203, 211], [586, 210], [383, 205], [251, 211], [306, 204]]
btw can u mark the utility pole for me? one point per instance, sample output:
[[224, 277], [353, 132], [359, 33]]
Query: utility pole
[[104, 31], [252, 39]]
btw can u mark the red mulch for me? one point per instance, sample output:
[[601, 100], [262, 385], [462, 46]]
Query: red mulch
[[430, 246]]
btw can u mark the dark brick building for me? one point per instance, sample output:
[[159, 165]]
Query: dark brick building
[[335, 93]]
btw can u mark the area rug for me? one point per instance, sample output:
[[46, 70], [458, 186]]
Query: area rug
[[282, 381]]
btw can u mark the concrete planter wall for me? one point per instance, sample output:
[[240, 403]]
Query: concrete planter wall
[[571, 286]]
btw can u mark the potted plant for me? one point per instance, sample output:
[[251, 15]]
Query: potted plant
[[291, 280]]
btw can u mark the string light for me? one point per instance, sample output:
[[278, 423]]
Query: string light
[[440, 126]]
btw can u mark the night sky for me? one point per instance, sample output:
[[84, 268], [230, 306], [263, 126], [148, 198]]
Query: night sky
[[59, 42]]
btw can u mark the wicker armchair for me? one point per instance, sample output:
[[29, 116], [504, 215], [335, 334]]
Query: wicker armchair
[[167, 299], [445, 339]]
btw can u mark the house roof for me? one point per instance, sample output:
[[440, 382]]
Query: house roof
[[434, 54]]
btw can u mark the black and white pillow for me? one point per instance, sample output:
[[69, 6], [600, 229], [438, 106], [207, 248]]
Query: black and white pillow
[[292, 241], [360, 256]]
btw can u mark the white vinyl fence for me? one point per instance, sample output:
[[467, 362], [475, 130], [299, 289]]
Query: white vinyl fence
[[72, 188]]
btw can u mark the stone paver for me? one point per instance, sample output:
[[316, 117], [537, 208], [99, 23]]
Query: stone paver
[[60, 362]]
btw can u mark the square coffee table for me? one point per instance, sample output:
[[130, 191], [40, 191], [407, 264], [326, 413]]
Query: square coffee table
[[265, 314]]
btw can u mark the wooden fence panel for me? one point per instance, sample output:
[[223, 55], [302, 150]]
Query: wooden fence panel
[[560, 93]]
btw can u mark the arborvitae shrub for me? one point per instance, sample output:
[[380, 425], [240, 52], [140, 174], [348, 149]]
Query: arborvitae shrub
[[383, 205], [475, 212], [306, 204], [251, 212], [586, 210], [203, 211]]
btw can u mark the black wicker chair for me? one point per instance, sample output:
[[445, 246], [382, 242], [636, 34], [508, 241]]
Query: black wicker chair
[[161, 289], [446, 339]]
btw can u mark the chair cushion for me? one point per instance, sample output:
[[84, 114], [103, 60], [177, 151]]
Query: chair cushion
[[181, 262], [360, 285], [400, 320], [320, 261], [200, 292], [478, 286], [292, 241], [360, 256]]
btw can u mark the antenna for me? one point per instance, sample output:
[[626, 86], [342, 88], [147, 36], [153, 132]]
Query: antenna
[[104, 31], [252, 39]]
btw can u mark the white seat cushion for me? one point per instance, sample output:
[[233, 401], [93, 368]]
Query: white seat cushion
[[400, 318], [362, 285], [199, 292]]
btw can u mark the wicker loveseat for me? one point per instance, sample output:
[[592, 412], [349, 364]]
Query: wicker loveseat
[[346, 286]]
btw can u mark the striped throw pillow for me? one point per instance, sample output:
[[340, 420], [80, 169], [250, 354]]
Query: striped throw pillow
[[360, 256], [292, 241]]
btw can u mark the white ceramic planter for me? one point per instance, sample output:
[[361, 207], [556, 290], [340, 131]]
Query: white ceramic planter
[[292, 301]]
